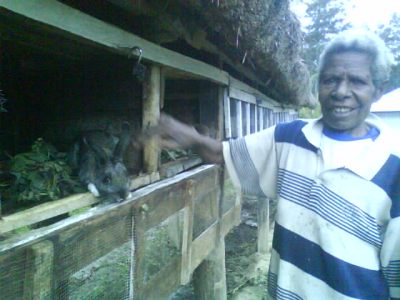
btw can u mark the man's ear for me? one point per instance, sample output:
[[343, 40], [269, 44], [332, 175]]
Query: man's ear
[[380, 90]]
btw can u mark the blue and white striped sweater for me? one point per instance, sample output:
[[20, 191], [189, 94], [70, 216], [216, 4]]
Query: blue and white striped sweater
[[337, 232]]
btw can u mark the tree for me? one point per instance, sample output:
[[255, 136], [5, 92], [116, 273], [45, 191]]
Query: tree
[[326, 19], [390, 33]]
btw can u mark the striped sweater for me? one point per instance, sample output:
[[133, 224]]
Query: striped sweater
[[337, 227]]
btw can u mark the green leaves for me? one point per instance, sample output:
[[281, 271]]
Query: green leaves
[[172, 155], [40, 175]]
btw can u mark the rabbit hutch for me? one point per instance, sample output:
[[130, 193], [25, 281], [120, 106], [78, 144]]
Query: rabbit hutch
[[70, 66]]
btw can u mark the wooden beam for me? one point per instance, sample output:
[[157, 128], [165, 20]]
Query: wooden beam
[[24, 239], [62, 206], [80, 27], [230, 219], [263, 225], [187, 239], [151, 114], [248, 118], [209, 278], [255, 117], [172, 168], [39, 273], [45, 211], [162, 285], [241, 95], [222, 95], [260, 111], [227, 117], [239, 87], [239, 120]]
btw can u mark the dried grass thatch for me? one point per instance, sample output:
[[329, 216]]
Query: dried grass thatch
[[267, 35], [257, 41]]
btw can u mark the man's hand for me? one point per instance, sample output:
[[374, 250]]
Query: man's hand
[[176, 135], [173, 134]]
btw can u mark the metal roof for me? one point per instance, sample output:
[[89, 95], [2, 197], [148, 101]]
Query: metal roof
[[389, 102]]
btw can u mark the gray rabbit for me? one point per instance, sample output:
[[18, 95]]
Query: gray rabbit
[[98, 157]]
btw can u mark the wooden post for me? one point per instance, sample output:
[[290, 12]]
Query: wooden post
[[151, 113], [261, 118], [38, 280], [248, 118], [162, 88], [187, 235], [255, 118], [227, 115], [209, 278], [239, 118], [222, 96], [263, 225]]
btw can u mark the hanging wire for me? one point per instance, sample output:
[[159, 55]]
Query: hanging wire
[[3, 100]]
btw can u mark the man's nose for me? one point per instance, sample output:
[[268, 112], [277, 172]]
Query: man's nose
[[342, 90]]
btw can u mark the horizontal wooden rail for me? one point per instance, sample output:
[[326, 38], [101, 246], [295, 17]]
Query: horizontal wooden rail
[[56, 208], [137, 196], [76, 25]]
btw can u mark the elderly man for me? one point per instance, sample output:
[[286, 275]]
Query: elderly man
[[337, 181]]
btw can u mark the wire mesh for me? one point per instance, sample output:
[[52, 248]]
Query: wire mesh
[[92, 260]]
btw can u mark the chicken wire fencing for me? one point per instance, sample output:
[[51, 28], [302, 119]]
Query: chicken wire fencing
[[94, 261], [142, 248]]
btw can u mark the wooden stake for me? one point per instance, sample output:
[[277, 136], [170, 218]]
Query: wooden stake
[[209, 278], [263, 225], [151, 113], [38, 279]]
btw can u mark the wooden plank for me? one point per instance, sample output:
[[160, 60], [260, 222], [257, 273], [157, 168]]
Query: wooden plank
[[241, 95], [239, 123], [174, 167], [162, 88], [230, 219], [187, 235], [80, 27], [255, 118], [163, 284], [45, 211], [151, 114], [203, 245], [39, 271], [260, 118], [209, 278], [55, 208], [263, 225], [248, 118], [265, 100], [163, 203], [227, 117], [23, 240], [222, 95]]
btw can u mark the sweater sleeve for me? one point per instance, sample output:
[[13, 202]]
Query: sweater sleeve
[[252, 163], [390, 257]]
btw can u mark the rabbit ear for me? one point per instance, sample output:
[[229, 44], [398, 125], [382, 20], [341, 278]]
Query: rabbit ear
[[122, 143], [100, 154]]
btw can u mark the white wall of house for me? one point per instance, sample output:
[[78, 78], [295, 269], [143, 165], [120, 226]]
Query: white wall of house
[[388, 108]]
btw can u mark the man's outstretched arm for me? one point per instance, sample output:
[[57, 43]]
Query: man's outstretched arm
[[174, 134]]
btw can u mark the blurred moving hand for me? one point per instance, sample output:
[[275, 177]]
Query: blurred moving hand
[[173, 134]]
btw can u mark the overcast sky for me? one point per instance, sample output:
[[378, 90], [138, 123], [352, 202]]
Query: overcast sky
[[369, 13]]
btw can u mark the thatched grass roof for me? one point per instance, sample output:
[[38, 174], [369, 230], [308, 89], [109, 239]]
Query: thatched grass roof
[[265, 36], [257, 41]]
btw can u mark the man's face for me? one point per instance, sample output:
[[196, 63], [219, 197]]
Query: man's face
[[346, 92]]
